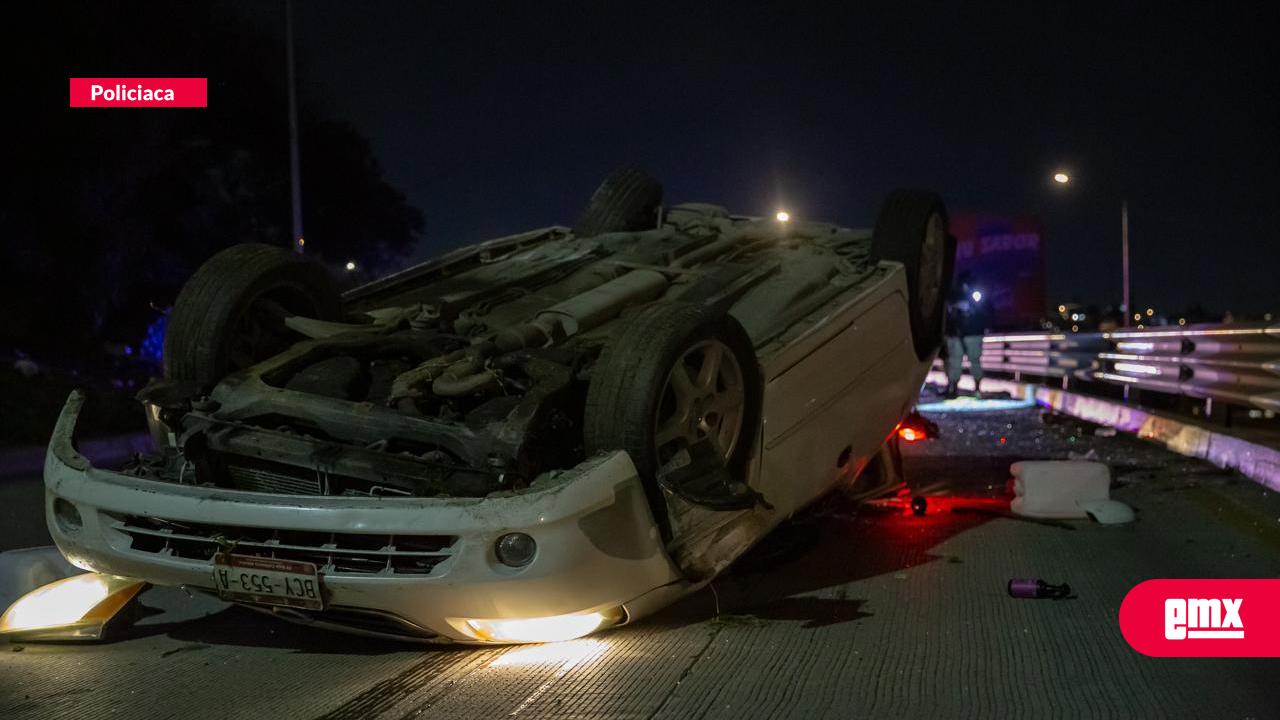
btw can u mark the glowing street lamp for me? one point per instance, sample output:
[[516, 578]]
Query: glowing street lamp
[[783, 216], [1062, 178]]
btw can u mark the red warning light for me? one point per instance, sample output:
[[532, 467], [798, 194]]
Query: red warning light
[[915, 427]]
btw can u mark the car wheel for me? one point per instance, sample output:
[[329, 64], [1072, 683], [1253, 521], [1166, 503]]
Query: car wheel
[[230, 314], [627, 200], [677, 376], [912, 230]]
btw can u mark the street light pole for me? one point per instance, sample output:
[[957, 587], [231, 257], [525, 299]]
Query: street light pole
[[295, 182], [1124, 258], [1062, 178]]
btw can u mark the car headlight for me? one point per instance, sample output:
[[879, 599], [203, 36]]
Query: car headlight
[[74, 608], [539, 630]]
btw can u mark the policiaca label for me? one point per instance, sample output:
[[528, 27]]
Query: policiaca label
[[139, 92]]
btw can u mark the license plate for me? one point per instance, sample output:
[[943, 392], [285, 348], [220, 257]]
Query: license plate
[[268, 581]]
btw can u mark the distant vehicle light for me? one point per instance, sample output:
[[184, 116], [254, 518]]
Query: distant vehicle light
[[910, 434], [783, 216], [1061, 178], [977, 296], [351, 265]]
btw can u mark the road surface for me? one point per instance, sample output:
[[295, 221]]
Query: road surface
[[845, 611], [22, 512]]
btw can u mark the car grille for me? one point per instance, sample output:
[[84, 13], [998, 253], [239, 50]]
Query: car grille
[[264, 480], [333, 553]]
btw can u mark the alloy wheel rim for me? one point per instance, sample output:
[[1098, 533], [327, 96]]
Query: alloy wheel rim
[[703, 398]]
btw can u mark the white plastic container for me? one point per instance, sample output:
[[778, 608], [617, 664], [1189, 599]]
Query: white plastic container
[[1058, 488]]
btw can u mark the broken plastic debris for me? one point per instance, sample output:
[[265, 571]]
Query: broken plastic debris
[[1108, 512]]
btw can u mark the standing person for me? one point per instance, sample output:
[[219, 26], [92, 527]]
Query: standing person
[[968, 319]]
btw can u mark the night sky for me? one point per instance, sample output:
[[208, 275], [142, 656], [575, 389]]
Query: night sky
[[495, 119]]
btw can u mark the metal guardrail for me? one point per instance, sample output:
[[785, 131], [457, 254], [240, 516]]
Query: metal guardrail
[[1237, 364]]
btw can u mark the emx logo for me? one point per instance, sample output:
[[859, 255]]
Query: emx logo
[[1203, 618]]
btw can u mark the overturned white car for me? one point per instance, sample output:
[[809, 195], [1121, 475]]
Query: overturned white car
[[528, 439]]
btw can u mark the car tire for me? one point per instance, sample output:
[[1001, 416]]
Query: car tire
[[627, 200], [912, 229], [633, 387], [230, 314]]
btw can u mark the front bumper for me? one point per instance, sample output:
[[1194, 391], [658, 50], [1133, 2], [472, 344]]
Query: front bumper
[[598, 549]]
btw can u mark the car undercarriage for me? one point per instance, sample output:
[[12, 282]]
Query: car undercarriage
[[468, 376]]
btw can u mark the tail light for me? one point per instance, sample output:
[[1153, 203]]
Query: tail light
[[915, 427]]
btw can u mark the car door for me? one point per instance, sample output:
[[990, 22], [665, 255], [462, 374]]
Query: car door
[[828, 411]]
